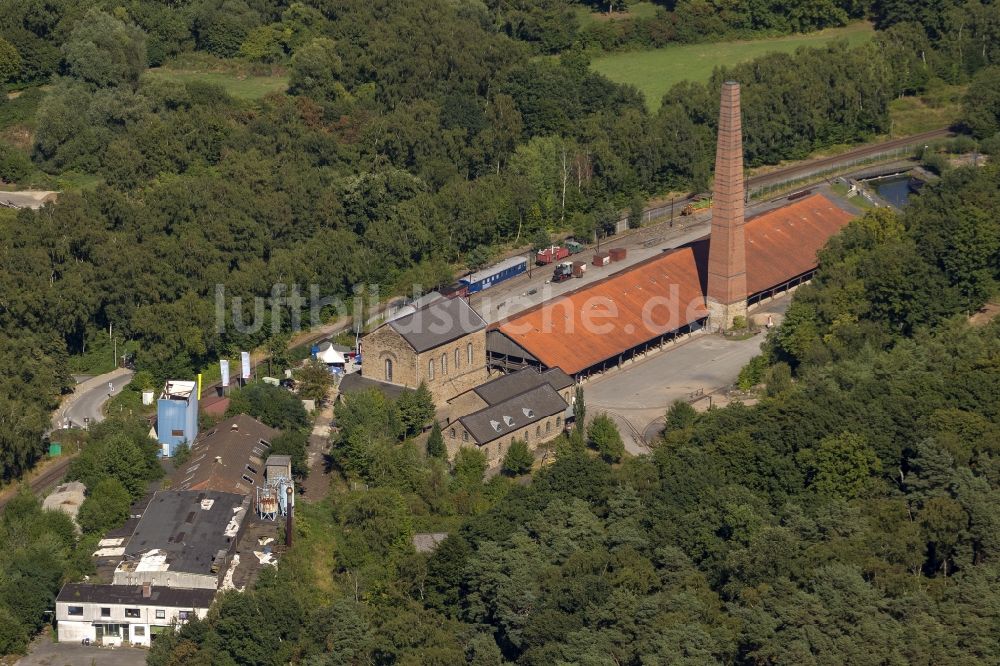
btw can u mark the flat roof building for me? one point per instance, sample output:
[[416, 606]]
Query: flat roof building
[[184, 539]]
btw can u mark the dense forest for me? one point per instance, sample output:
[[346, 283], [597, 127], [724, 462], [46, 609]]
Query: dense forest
[[851, 516]]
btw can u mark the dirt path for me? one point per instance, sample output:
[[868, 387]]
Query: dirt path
[[317, 485]]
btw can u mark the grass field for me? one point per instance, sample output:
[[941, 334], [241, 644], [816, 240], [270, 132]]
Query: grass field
[[654, 72], [941, 105], [238, 85]]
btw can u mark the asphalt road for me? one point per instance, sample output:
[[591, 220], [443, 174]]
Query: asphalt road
[[639, 392], [89, 403]]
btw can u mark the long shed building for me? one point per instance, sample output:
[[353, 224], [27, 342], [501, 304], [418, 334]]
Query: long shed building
[[655, 301]]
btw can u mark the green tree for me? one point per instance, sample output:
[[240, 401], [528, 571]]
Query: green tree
[[416, 409], [315, 71], [10, 61], [635, 211], [105, 52], [272, 405], [293, 443], [981, 105], [518, 459], [842, 464], [313, 381], [579, 409], [603, 435], [106, 507], [469, 467], [435, 442], [680, 415]]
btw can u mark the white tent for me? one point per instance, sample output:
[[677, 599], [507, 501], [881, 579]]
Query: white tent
[[327, 354]]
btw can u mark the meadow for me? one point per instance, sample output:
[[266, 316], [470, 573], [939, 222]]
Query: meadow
[[654, 71]]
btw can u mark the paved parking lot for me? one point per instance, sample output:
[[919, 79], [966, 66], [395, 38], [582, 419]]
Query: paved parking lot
[[45, 652], [639, 392]]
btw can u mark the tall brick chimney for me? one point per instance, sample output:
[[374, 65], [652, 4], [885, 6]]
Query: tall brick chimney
[[727, 252]]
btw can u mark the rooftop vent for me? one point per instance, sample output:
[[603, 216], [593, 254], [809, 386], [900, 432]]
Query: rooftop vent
[[508, 420], [527, 412], [495, 424], [218, 459], [235, 426], [206, 504]]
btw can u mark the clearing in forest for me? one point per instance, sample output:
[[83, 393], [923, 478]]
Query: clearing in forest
[[654, 71]]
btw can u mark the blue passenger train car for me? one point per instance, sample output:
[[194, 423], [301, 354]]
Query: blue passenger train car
[[488, 277]]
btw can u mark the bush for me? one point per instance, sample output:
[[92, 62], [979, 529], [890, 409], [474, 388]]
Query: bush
[[293, 443], [518, 459], [752, 373], [14, 165]]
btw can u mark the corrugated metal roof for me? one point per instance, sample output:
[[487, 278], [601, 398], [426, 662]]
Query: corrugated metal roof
[[666, 292], [438, 323], [220, 458], [511, 415]]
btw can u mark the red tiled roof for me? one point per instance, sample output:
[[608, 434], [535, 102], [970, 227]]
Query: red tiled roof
[[604, 319]]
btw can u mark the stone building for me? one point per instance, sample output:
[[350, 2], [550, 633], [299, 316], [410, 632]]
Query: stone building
[[442, 344], [536, 415]]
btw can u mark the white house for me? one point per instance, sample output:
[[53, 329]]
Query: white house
[[120, 614]]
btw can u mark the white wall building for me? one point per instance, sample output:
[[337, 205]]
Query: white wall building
[[120, 614]]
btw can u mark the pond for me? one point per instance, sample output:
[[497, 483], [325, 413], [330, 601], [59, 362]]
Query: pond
[[896, 190]]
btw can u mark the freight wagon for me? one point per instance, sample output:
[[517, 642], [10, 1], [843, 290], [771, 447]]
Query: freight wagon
[[488, 277]]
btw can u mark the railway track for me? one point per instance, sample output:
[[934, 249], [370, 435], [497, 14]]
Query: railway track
[[814, 166]]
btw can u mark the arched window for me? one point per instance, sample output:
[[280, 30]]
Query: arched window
[[558, 421], [388, 370], [430, 369], [452, 433], [444, 364], [548, 426], [458, 359], [538, 431], [468, 353], [527, 437]]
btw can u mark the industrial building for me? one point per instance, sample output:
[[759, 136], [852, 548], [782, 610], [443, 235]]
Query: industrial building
[[185, 539], [708, 283], [442, 344], [177, 415], [228, 458]]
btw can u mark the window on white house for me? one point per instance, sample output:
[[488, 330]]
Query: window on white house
[[75, 610], [183, 615], [105, 612], [161, 614], [138, 630], [131, 612]]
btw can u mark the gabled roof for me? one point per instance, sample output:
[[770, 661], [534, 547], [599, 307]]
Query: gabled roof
[[168, 597], [600, 321], [511, 415], [783, 243], [227, 458], [438, 323], [507, 386], [597, 322]]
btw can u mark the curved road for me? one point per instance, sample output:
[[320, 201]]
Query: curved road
[[87, 400]]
